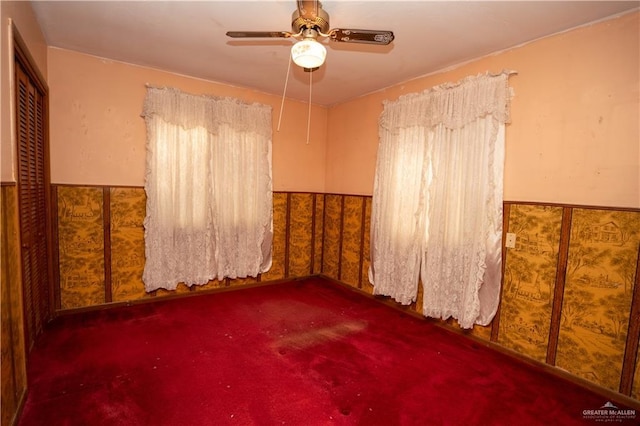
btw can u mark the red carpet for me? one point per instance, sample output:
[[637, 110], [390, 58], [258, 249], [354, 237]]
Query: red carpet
[[300, 353]]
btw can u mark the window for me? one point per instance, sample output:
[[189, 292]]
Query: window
[[437, 201], [209, 190]]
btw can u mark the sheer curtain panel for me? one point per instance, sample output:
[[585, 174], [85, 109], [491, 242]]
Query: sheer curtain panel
[[437, 199], [208, 186]]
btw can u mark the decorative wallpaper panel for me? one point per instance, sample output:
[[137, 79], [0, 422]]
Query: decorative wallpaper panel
[[483, 332], [180, 289], [279, 249], [366, 248], [332, 227], [81, 246], [242, 281], [127, 243], [300, 238], [529, 279], [601, 268], [417, 305], [351, 253], [318, 232], [211, 285]]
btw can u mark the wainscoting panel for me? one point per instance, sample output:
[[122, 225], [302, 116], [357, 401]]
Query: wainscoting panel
[[318, 232], [12, 361], [332, 237], [352, 240], [100, 235], [570, 284], [300, 238], [279, 250], [366, 247], [127, 243], [81, 246], [603, 253], [568, 289], [529, 279]]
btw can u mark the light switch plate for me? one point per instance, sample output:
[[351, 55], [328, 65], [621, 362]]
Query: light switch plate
[[510, 241]]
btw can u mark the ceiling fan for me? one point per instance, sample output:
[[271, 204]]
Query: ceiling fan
[[308, 22]]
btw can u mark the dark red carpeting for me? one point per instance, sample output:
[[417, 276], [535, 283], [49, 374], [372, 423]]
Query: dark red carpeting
[[300, 353]]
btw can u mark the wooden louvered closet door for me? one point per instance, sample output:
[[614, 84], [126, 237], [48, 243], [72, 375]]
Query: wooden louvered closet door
[[33, 187]]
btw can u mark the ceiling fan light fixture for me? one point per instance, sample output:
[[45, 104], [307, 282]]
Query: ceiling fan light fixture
[[308, 53]]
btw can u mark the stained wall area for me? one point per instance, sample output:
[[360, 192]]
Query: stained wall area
[[98, 137], [16, 17], [573, 136]]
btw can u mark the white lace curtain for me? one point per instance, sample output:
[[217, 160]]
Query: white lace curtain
[[209, 191], [437, 199]]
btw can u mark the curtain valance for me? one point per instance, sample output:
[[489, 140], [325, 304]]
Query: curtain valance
[[452, 105], [190, 111]]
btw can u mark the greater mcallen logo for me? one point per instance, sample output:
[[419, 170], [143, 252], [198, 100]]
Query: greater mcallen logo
[[609, 413]]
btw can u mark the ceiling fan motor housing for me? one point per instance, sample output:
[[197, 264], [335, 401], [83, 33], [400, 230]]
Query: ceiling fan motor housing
[[320, 22]]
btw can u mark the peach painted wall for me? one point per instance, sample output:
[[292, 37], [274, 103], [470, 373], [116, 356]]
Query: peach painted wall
[[97, 136], [574, 136], [20, 15]]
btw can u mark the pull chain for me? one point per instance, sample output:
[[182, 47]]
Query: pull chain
[[309, 115], [284, 92]]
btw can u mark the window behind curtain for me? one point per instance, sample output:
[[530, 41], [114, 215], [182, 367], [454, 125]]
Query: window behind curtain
[[209, 190], [437, 199]]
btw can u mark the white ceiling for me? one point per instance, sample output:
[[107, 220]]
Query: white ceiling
[[188, 37]]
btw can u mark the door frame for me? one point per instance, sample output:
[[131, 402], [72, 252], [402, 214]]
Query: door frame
[[23, 58]]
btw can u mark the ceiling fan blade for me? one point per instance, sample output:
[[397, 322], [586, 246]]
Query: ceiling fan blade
[[258, 34], [308, 9], [362, 36]]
